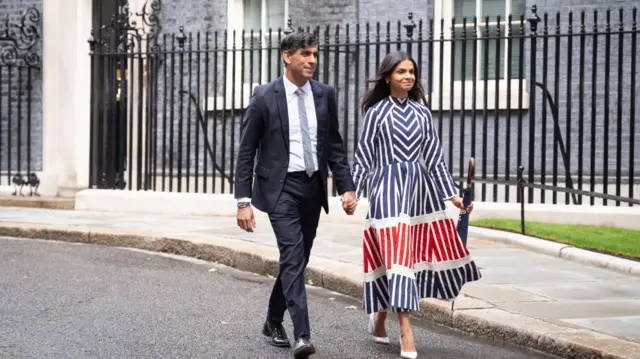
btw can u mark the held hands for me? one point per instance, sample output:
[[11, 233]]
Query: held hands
[[457, 201], [246, 220], [349, 202]]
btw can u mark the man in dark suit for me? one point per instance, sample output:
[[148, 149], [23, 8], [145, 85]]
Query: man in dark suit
[[293, 124]]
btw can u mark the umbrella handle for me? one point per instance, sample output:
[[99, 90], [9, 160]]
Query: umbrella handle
[[471, 171]]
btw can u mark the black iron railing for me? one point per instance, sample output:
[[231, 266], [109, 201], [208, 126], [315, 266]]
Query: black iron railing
[[521, 184], [21, 102], [556, 96]]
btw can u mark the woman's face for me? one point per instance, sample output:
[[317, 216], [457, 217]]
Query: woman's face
[[402, 78]]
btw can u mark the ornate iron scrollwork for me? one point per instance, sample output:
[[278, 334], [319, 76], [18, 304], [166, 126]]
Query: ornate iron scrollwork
[[126, 29], [17, 40], [17, 49]]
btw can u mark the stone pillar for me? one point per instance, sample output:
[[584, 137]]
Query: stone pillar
[[66, 94]]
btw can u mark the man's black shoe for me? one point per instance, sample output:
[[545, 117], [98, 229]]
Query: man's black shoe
[[303, 348], [277, 334]]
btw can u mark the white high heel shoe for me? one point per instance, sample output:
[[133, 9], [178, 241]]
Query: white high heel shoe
[[379, 340], [406, 355]]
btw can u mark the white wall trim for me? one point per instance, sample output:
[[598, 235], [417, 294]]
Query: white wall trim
[[66, 95]]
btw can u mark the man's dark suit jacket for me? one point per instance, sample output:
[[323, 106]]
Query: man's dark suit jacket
[[266, 128]]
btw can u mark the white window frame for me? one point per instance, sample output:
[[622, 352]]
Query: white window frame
[[265, 37], [444, 9], [243, 91]]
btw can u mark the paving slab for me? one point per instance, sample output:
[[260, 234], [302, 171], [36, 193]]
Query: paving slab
[[548, 303], [575, 309], [497, 293], [624, 288], [628, 327]]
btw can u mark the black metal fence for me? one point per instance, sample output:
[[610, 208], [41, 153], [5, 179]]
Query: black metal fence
[[555, 93], [20, 102]]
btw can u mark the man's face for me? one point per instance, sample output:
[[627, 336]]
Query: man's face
[[302, 62]]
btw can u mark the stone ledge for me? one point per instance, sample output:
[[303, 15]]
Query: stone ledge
[[472, 316], [37, 202]]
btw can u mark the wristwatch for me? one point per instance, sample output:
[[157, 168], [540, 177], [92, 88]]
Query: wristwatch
[[243, 204]]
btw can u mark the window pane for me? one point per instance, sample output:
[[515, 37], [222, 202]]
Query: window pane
[[488, 59], [518, 7], [272, 53], [464, 8], [464, 53], [252, 14], [275, 20], [515, 52], [251, 70], [493, 8], [486, 43], [275, 14]]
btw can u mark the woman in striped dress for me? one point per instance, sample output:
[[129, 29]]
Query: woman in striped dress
[[411, 248]]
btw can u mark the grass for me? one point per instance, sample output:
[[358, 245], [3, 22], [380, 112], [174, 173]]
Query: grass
[[615, 241]]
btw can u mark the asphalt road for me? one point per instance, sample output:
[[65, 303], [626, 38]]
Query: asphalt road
[[61, 300]]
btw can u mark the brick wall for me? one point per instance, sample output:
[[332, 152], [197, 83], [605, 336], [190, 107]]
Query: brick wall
[[568, 96], [182, 73], [331, 12]]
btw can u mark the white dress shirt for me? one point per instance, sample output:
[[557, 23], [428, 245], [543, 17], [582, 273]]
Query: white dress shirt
[[296, 150]]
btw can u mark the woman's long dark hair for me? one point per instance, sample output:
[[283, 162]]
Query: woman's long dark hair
[[381, 89]]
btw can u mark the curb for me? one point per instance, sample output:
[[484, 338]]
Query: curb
[[560, 250], [38, 202], [224, 205], [472, 316]]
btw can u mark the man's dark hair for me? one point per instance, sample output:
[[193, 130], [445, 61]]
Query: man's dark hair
[[298, 40]]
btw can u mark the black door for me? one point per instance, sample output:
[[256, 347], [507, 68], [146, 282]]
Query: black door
[[108, 95]]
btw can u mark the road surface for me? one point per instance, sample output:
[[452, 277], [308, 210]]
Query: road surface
[[62, 300]]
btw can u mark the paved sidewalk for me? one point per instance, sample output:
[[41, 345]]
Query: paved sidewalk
[[551, 304]]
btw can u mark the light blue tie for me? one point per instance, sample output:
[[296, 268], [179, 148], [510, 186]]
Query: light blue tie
[[304, 129]]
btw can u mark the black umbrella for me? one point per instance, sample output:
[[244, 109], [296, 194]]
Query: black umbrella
[[467, 197]]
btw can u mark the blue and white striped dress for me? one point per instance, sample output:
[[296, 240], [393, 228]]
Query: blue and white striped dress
[[411, 249]]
